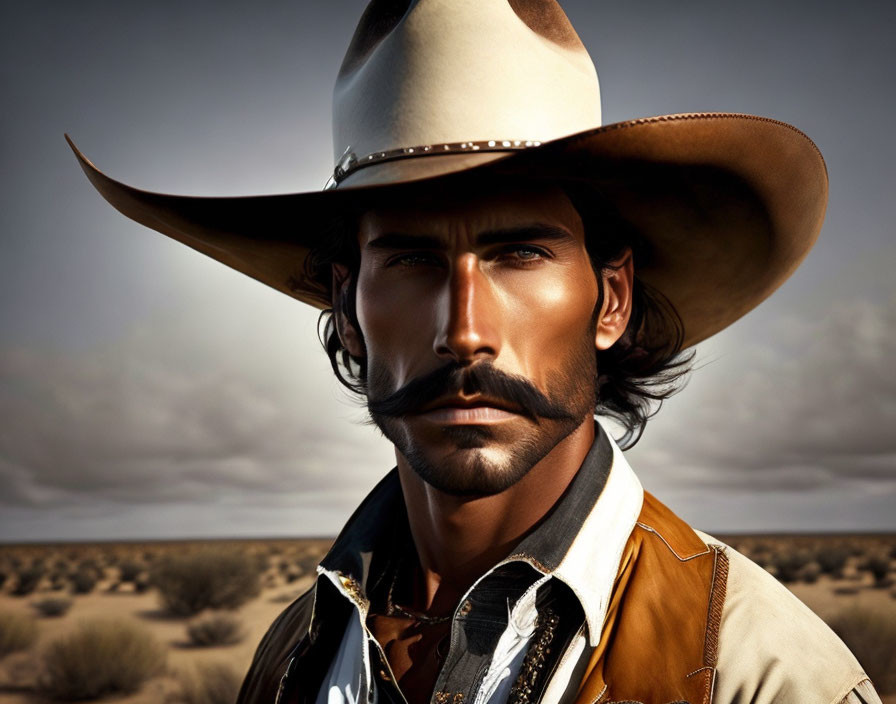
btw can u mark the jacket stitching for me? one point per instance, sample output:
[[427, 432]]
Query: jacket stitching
[[716, 604], [537, 564], [671, 549], [707, 691], [600, 695]]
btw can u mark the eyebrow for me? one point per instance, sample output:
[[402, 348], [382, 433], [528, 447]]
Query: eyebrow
[[401, 241]]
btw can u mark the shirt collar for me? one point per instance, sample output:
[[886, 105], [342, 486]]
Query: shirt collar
[[591, 563], [580, 542]]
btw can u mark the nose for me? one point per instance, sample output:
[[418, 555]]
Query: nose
[[468, 314]]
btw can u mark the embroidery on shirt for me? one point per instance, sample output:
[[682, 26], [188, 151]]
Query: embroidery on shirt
[[533, 664]]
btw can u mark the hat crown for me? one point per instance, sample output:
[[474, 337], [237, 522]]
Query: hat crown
[[425, 72]]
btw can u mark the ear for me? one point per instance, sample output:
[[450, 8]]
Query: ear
[[617, 280], [348, 335]]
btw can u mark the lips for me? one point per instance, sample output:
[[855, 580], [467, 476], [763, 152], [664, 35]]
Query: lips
[[470, 402], [475, 415], [469, 410]]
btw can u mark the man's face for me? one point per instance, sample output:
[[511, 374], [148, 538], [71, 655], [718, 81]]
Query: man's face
[[477, 317]]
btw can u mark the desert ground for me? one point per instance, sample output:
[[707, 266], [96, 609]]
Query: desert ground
[[143, 623]]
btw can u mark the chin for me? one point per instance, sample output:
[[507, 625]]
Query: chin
[[472, 460], [473, 467]]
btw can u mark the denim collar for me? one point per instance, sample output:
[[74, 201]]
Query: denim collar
[[580, 542]]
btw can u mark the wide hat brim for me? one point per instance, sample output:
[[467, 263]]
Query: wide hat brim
[[728, 204]]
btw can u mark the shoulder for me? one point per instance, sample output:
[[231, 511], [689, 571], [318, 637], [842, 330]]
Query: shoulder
[[772, 647], [272, 654]]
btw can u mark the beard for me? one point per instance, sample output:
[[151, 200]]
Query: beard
[[483, 460]]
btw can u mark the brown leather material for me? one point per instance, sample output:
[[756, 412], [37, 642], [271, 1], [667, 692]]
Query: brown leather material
[[660, 637], [728, 205]]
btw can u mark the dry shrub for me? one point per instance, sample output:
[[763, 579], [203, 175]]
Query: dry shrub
[[83, 581], [810, 573], [28, 579], [879, 567], [53, 606], [872, 639], [208, 683], [129, 571], [832, 559], [292, 575], [100, 658], [207, 579], [216, 629], [789, 566], [17, 632]]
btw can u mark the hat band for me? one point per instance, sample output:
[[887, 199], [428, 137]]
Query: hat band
[[349, 162]]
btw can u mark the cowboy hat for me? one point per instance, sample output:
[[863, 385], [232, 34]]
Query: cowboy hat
[[431, 92]]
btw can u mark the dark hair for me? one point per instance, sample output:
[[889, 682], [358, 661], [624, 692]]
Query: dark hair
[[645, 366]]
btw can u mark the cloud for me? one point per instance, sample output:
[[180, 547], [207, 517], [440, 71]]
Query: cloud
[[809, 404], [172, 414]]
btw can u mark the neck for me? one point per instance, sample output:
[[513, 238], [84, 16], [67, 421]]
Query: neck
[[460, 538]]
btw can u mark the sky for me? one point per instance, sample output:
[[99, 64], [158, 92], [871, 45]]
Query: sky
[[149, 392]]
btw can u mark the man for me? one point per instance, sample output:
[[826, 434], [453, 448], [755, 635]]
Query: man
[[498, 268]]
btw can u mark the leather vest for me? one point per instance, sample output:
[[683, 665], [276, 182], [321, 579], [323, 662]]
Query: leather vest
[[659, 642]]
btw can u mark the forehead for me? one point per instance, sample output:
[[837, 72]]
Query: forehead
[[469, 209]]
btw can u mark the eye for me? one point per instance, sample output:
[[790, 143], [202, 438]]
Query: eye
[[524, 254], [527, 252]]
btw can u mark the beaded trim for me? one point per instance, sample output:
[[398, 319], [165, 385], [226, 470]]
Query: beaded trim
[[523, 689], [349, 162]]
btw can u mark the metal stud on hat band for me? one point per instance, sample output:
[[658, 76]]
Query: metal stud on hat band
[[349, 162]]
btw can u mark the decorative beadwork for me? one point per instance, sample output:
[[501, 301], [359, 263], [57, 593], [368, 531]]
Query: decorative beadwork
[[349, 161], [352, 588], [533, 664]]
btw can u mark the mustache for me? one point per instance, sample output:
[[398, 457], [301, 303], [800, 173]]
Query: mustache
[[482, 378]]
